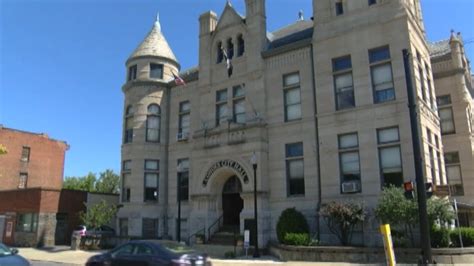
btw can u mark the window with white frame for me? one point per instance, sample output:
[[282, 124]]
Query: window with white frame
[[295, 169], [126, 180], [23, 180], [349, 163], [381, 73], [343, 82], [238, 104], [152, 168], [221, 107], [25, 154], [156, 71], [445, 112], [390, 159], [292, 96], [27, 222], [128, 135], [153, 121], [453, 173], [184, 119], [183, 179]]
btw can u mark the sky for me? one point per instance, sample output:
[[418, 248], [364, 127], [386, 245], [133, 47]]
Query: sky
[[62, 62]]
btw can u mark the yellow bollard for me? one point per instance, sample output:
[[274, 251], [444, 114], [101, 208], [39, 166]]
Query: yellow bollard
[[388, 244]]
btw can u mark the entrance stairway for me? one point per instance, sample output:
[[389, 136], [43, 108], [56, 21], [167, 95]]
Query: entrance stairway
[[226, 236]]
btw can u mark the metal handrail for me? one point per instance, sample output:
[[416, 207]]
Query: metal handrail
[[218, 222], [201, 231]]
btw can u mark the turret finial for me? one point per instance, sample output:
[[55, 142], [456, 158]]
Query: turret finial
[[157, 22], [300, 15]]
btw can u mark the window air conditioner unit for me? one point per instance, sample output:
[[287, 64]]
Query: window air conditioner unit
[[182, 136], [351, 187]]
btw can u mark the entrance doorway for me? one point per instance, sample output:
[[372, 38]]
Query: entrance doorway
[[232, 203]]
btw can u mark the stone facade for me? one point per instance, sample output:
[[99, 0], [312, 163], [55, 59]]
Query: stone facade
[[280, 103]]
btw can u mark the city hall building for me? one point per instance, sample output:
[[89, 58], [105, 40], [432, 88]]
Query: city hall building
[[321, 103]]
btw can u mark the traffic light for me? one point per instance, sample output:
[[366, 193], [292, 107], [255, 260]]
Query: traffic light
[[429, 189], [409, 190]]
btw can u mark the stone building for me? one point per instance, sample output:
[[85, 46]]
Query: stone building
[[322, 104], [454, 91]]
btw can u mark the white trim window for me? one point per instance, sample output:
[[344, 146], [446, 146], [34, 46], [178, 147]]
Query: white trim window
[[349, 161], [381, 73], [292, 96], [221, 107], [343, 82], [390, 160], [446, 117]]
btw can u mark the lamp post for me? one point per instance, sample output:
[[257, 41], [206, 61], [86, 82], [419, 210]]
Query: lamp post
[[179, 169], [253, 160]]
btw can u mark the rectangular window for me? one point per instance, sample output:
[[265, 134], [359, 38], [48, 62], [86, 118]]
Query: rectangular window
[[23, 180], [156, 71], [183, 179], [349, 165], [431, 92], [445, 112], [453, 173], [238, 104], [372, 2], [123, 226], [295, 169], [381, 73], [434, 179], [126, 178], [128, 136], [184, 119], [132, 72], [27, 222], [25, 154], [151, 180], [292, 96], [343, 82], [221, 107], [390, 157], [339, 8], [149, 228]]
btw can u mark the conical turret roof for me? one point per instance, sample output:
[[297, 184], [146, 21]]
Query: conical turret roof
[[154, 44]]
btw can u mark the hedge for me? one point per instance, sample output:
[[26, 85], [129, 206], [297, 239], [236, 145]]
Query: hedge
[[467, 234]]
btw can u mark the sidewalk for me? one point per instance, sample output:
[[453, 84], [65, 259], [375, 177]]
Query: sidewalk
[[60, 254]]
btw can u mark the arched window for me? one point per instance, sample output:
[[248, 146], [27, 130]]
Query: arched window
[[220, 54], [240, 45], [153, 120], [128, 134], [230, 48]]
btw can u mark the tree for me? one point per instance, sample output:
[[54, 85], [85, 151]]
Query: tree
[[402, 213], [3, 149], [108, 182], [98, 214], [341, 219]]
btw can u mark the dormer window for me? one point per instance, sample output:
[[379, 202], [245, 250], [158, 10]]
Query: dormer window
[[339, 8], [132, 73], [241, 45], [372, 2], [220, 54], [156, 71], [230, 48]]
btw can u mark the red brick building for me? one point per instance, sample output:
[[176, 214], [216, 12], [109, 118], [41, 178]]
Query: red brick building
[[33, 160]]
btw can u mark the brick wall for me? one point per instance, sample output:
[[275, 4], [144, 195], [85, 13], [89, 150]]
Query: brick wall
[[46, 164]]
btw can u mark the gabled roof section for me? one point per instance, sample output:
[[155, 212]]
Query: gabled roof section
[[154, 44], [300, 30], [229, 16], [439, 48]]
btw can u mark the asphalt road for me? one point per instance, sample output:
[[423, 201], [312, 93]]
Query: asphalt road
[[48, 263]]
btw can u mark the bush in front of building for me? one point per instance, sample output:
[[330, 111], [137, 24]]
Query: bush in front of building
[[439, 237], [341, 218], [297, 239], [467, 235], [291, 221]]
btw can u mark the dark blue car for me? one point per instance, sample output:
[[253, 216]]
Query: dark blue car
[[10, 257], [150, 253]]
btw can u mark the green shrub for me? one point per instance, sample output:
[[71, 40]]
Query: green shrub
[[297, 239], [439, 237], [229, 255], [467, 234], [291, 221]]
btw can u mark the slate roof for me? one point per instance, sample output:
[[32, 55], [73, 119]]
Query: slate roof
[[300, 30], [154, 44], [440, 48]]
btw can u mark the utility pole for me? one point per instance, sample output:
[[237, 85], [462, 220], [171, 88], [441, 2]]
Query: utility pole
[[420, 182]]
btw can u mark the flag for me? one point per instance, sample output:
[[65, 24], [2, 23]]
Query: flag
[[178, 80], [228, 63]]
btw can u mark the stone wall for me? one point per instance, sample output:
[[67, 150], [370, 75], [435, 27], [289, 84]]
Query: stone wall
[[367, 255]]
